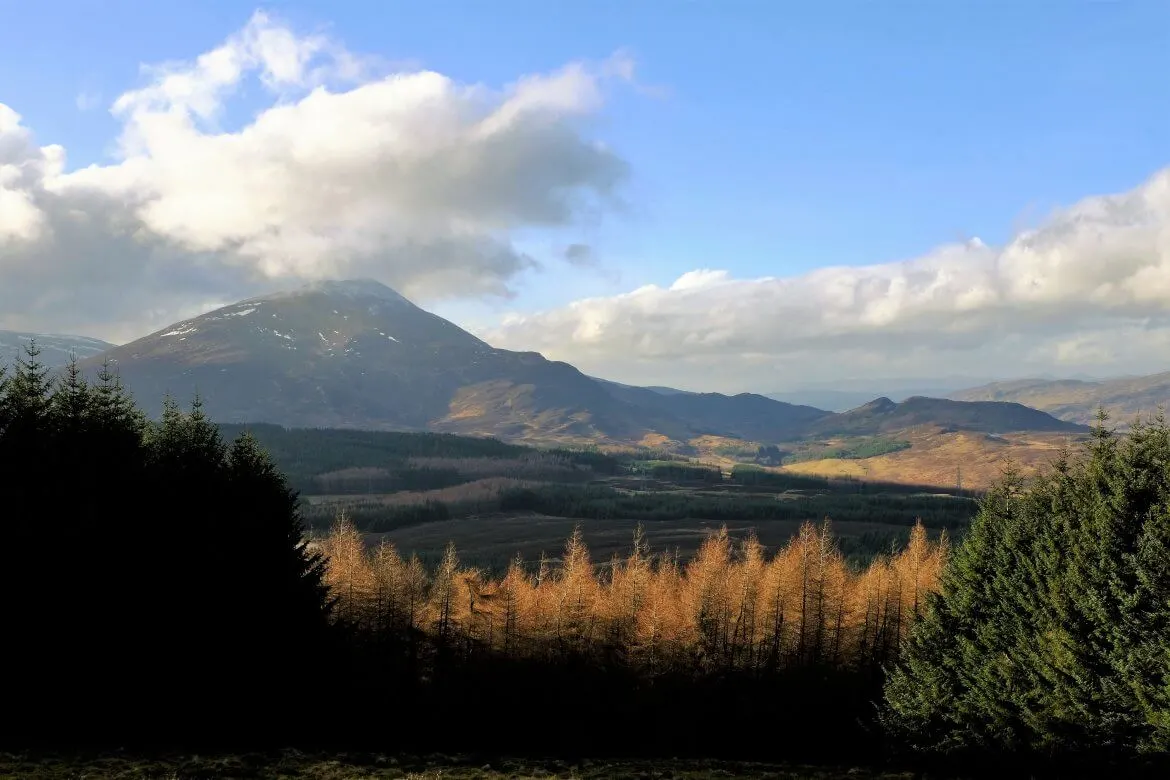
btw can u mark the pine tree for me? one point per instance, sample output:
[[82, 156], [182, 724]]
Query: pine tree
[[954, 684], [187, 559], [1050, 632]]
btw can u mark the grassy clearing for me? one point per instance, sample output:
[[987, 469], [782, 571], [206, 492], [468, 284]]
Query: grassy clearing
[[293, 764]]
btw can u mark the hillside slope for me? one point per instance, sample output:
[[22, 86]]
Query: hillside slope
[[1076, 400], [55, 349], [356, 354], [884, 416], [949, 457]]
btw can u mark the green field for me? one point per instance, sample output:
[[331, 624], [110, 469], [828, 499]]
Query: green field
[[496, 500]]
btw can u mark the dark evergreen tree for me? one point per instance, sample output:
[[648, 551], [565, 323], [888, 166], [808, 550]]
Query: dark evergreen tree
[[1051, 634], [156, 583], [947, 691]]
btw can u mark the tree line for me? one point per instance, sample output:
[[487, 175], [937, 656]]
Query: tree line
[[402, 460], [606, 502], [155, 580], [732, 607], [737, 652]]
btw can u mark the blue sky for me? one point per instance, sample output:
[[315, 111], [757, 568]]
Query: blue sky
[[764, 139]]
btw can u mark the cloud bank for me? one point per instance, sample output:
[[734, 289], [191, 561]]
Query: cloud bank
[[1087, 291], [407, 177], [354, 169]]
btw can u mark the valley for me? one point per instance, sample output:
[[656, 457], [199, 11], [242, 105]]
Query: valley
[[422, 433], [496, 500], [355, 354], [584, 390]]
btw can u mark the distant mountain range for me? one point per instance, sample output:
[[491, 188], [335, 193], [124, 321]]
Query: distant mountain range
[[55, 349], [836, 399], [884, 416], [831, 400], [1078, 400], [357, 354]]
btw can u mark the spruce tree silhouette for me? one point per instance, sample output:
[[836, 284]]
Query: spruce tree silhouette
[[156, 586]]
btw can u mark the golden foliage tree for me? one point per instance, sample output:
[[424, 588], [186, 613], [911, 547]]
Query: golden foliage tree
[[731, 607]]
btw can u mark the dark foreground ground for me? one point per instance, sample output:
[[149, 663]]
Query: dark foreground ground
[[292, 764]]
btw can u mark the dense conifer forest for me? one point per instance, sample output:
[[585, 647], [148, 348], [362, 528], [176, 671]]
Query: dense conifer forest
[[156, 581], [159, 589]]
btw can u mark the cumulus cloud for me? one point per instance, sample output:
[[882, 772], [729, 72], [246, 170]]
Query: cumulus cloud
[[405, 176], [1089, 290]]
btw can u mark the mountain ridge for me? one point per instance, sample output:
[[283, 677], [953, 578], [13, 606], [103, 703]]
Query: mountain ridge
[[1077, 400], [883, 415], [56, 348], [356, 354]]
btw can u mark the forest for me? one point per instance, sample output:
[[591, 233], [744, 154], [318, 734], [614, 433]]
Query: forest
[[390, 483], [161, 592], [732, 608]]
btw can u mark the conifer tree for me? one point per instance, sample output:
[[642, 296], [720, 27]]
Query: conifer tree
[[186, 559], [443, 595], [1049, 635]]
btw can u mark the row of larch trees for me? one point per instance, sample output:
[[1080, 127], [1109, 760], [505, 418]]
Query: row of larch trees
[[733, 607]]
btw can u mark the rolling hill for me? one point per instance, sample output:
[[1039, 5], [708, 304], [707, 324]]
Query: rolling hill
[[948, 456], [55, 349], [884, 416], [1077, 400]]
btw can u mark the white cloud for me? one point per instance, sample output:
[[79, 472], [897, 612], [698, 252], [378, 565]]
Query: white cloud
[[405, 176], [1090, 290]]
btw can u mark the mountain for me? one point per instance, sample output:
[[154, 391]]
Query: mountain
[[357, 354], [655, 388], [1077, 400], [55, 349], [884, 416], [744, 416], [668, 390]]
